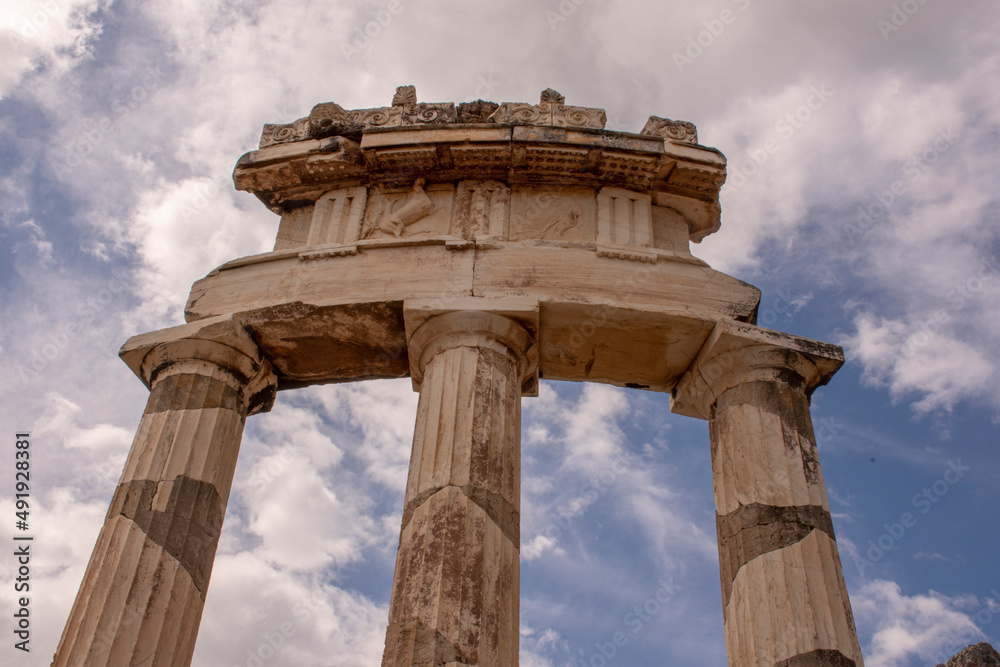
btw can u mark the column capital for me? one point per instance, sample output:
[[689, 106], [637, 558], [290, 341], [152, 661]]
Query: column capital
[[432, 327], [736, 352], [198, 347]]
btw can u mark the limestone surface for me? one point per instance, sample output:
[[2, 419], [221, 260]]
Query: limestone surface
[[457, 584]]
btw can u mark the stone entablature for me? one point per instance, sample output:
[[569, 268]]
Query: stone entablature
[[518, 150], [480, 201], [619, 221]]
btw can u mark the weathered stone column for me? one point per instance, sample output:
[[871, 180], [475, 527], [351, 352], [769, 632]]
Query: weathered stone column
[[141, 599], [455, 592], [783, 593]]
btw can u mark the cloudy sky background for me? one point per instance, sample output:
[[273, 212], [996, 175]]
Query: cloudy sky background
[[119, 127]]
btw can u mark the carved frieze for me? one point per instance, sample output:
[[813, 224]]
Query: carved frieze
[[408, 114], [481, 209], [330, 119], [552, 214], [516, 144], [276, 133], [414, 212], [337, 216], [674, 130], [624, 218], [548, 113], [551, 110]]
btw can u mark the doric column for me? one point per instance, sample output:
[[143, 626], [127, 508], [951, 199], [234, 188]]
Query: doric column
[[455, 592], [784, 597], [141, 599]]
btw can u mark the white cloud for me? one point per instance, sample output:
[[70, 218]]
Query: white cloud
[[899, 119], [914, 358], [64, 530], [585, 460], [96, 453], [52, 35], [256, 612], [324, 517], [930, 627], [197, 219], [37, 242], [538, 546], [74, 470], [533, 641], [384, 412]]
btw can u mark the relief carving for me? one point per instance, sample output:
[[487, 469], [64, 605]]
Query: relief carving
[[554, 96], [330, 119], [481, 209], [405, 110], [410, 114], [337, 216], [553, 215], [549, 111], [404, 95], [635, 171], [624, 217], [406, 215], [277, 133], [674, 130]]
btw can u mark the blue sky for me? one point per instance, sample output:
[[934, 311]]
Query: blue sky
[[862, 139]]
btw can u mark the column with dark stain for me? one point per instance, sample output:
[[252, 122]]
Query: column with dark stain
[[456, 587], [783, 592], [144, 589]]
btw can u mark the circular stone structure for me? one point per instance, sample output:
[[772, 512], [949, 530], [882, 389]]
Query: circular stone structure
[[476, 249]]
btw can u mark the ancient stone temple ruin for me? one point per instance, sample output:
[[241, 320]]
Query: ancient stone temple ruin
[[475, 248]]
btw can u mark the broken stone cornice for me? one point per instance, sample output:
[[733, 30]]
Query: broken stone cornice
[[331, 119], [547, 143]]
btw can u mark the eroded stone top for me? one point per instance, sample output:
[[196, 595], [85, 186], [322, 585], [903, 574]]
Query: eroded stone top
[[330, 119], [514, 147]]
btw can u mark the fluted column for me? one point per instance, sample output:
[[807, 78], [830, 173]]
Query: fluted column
[[455, 591], [783, 593], [141, 599]]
